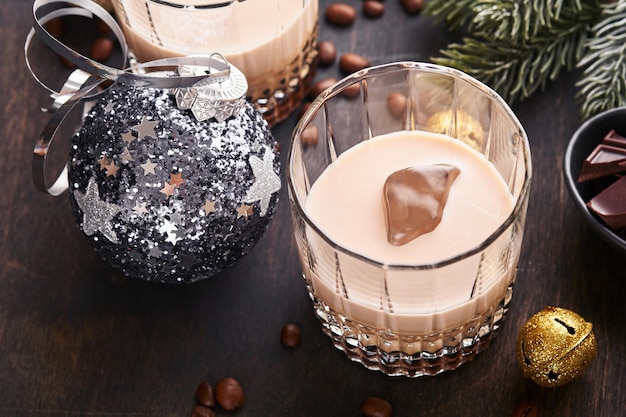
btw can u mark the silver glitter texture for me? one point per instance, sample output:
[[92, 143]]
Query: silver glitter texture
[[211, 167]]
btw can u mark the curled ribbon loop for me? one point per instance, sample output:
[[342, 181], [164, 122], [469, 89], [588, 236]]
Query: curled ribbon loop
[[207, 85], [138, 75]]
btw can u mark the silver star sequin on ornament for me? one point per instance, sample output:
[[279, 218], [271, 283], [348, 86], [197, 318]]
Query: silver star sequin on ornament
[[97, 213], [266, 182], [148, 167], [126, 156], [146, 128]]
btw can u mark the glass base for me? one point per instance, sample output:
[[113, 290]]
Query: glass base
[[278, 94], [411, 356], [278, 106]]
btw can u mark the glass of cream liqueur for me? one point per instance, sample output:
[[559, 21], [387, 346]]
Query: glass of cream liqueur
[[408, 204], [273, 42]]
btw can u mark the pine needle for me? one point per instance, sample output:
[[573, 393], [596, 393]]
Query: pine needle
[[514, 46], [603, 83]]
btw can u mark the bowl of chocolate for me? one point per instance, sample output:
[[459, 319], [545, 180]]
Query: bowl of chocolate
[[594, 167]]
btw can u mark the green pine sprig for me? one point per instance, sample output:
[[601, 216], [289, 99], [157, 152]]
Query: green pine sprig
[[603, 83], [528, 21], [455, 14], [516, 47]]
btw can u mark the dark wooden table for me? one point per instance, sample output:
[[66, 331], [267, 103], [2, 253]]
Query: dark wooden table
[[78, 339]]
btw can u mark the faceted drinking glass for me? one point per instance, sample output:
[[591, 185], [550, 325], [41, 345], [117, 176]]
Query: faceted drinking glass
[[409, 319]]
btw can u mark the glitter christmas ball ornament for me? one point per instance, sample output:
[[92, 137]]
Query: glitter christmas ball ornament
[[555, 346], [166, 196]]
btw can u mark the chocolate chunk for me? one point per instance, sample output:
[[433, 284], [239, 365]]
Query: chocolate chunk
[[609, 204], [602, 161], [613, 139], [414, 199]]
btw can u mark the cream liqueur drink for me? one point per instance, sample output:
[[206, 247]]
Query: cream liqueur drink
[[347, 204], [270, 41]]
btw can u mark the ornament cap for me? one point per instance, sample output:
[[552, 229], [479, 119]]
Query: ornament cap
[[221, 95]]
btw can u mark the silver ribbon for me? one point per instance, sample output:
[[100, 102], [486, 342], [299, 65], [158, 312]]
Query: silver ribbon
[[208, 85]]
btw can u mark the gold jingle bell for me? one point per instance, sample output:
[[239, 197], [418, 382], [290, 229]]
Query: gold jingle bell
[[555, 346]]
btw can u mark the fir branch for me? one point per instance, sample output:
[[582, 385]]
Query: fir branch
[[603, 83], [456, 14], [517, 47], [512, 20], [515, 71], [523, 21]]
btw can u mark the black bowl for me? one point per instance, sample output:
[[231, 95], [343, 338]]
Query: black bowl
[[580, 146]]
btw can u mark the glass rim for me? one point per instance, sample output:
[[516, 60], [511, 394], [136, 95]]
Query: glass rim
[[337, 88], [208, 4]]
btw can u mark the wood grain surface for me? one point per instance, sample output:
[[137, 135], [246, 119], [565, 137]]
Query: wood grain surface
[[79, 339]]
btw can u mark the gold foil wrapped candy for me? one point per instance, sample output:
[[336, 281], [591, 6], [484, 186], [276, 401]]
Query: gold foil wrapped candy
[[458, 124], [555, 346]]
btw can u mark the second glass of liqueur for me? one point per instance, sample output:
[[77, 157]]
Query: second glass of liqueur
[[273, 42]]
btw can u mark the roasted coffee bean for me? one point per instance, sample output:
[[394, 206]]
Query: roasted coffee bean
[[290, 334], [309, 136], [376, 407], [229, 394], [373, 8], [526, 409], [201, 411], [326, 53], [204, 395], [412, 6], [55, 27], [351, 62], [352, 90], [103, 28], [396, 103], [340, 14], [101, 49], [320, 86]]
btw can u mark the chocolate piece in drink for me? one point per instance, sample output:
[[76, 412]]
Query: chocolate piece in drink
[[414, 199]]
